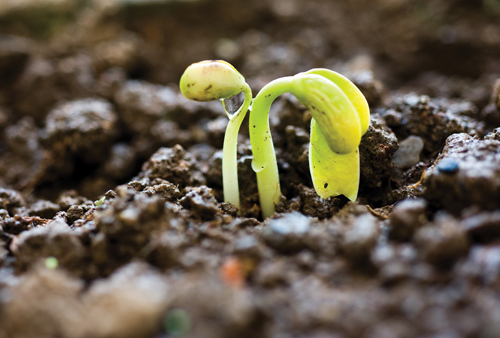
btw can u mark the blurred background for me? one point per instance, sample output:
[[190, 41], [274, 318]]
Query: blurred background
[[156, 39]]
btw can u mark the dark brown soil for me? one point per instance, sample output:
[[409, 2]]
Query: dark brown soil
[[112, 221]]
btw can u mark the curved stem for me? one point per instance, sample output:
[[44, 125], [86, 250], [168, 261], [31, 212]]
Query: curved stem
[[229, 152], [264, 158]]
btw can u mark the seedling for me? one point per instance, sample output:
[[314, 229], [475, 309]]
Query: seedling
[[340, 117], [218, 80]]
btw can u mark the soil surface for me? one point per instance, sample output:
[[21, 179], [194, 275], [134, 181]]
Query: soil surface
[[112, 221]]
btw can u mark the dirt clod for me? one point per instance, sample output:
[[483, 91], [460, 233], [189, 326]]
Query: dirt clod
[[174, 165], [442, 242], [407, 216], [466, 177]]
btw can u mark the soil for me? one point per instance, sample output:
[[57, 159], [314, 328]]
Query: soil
[[112, 220]]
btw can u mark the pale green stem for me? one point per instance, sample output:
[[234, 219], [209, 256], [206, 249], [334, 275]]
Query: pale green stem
[[230, 150], [264, 158]]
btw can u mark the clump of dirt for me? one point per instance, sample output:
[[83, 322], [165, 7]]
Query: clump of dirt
[[468, 167], [112, 220]]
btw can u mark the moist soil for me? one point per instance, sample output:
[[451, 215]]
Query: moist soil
[[112, 220]]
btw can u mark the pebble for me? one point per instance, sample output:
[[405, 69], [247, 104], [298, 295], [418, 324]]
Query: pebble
[[447, 166], [409, 151]]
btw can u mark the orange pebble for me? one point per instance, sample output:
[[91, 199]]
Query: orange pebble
[[232, 272]]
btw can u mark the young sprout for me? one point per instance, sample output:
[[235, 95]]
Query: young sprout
[[340, 117], [218, 80], [100, 201]]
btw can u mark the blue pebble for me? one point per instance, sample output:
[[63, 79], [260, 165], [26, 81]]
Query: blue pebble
[[447, 166]]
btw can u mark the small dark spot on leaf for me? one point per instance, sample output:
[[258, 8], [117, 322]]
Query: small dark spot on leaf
[[208, 88], [326, 185]]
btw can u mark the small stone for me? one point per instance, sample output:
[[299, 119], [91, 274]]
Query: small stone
[[447, 166], [408, 153]]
